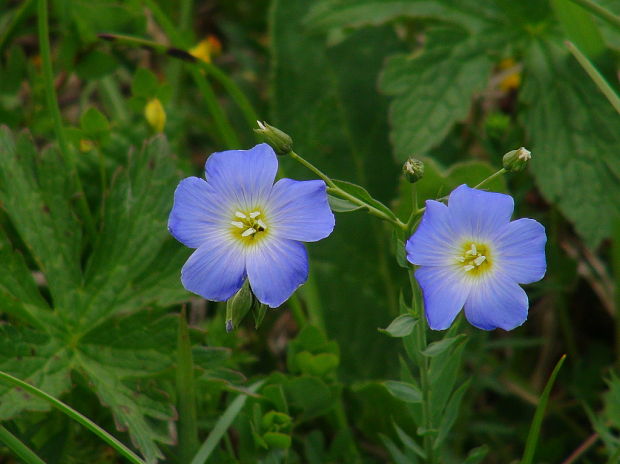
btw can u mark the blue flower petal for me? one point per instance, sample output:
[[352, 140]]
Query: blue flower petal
[[496, 301], [521, 250], [216, 270], [243, 176], [195, 213], [444, 293], [298, 210], [276, 269], [479, 214], [433, 242]]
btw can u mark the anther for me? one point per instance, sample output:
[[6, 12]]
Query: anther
[[479, 260], [237, 224], [254, 214], [248, 232], [261, 224], [239, 214]]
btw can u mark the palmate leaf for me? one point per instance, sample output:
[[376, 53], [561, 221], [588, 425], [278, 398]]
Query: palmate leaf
[[98, 323], [575, 140], [434, 90]]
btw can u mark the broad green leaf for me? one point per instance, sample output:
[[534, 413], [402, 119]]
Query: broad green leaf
[[579, 27], [144, 84], [401, 326], [439, 347], [34, 358], [476, 455], [94, 123], [309, 394], [409, 442], [433, 90], [575, 140], [36, 195], [328, 14], [406, 392]]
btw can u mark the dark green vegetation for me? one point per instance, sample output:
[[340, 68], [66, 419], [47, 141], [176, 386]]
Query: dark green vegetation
[[90, 295]]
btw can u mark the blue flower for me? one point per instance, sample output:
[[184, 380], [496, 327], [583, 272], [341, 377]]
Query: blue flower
[[245, 226], [471, 255]]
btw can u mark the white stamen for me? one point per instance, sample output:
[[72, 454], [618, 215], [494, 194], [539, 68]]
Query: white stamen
[[237, 224], [249, 231], [239, 214], [469, 267], [479, 260], [472, 251], [261, 224], [254, 214], [261, 125]]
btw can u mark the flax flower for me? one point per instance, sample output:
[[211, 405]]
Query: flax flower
[[470, 255], [244, 226]]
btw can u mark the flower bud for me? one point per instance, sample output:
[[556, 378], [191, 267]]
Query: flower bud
[[238, 306], [413, 169], [155, 114], [281, 142], [515, 160]]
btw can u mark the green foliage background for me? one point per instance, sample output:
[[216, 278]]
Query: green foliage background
[[89, 310]]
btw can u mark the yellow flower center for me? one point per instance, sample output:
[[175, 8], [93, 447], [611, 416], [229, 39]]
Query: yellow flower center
[[476, 258], [248, 226]]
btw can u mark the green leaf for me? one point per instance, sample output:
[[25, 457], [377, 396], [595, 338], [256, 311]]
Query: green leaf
[[579, 26], [575, 140], [94, 123], [339, 205], [450, 414], [539, 415], [362, 194], [311, 395], [433, 91], [37, 359], [95, 65], [409, 442], [439, 347], [397, 455], [406, 392], [328, 14], [402, 326], [144, 84], [476, 455]]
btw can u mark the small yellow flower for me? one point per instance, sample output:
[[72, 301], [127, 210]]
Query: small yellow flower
[[207, 48], [86, 145], [511, 81], [155, 114]]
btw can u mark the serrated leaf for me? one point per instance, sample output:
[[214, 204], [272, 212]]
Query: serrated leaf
[[439, 347], [404, 391], [402, 326], [339, 205], [434, 90], [575, 140], [37, 359]]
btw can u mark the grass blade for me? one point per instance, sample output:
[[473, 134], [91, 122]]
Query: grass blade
[[73, 414], [222, 425], [534, 433], [19, 449], [186, 394]]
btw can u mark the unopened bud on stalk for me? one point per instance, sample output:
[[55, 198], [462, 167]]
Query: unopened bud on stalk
[[413, 169], [238, 306], [155, 114], [281, 142], [516, 160]]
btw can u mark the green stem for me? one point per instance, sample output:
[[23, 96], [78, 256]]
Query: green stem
[[333, 188], [491, 177], [298, 311], [52, 104], [423, 366], [110, 92], [19, 449], [185, 24], [186, 394], [73, 414], [595, 75], [599, 11]]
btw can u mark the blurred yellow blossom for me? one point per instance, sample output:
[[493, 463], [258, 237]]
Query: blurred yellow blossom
[[155, 114]]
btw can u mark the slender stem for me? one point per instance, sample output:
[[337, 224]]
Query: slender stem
[[333, 188], [581, 449], [491, 177], [186, 394], [114, 98], [423, 366], [73, 414], [20, 449], [298, 312], [52, 104], [599, 11], [595, 75], [185, 24]]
